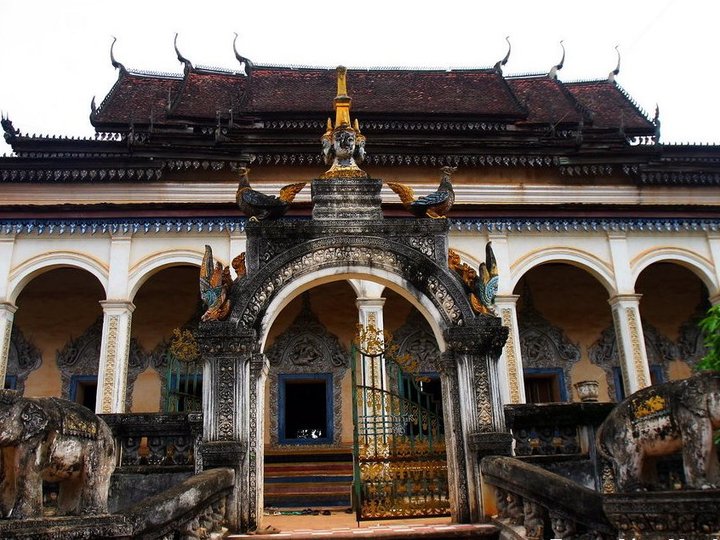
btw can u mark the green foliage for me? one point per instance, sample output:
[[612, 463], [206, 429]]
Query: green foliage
[[710, 327]]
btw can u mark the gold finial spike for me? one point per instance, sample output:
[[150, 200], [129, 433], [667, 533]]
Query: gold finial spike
[[342, 100]]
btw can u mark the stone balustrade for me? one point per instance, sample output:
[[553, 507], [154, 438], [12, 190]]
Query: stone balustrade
[[527, 501]]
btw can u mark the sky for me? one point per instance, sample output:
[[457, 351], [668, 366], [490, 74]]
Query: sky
[[54, 55]]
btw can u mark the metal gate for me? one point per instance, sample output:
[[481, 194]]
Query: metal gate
[[400, 465]]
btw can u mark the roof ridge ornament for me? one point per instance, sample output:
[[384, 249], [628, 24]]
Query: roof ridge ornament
[[113, 61], [500, 63], [656, 122], [180, 57], [248, 67], [615, 72], [553, 72], [343, 144]]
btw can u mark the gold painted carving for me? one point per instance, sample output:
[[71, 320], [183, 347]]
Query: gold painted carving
[[636, 351], [5, 349], [110, 360], [511, 356]]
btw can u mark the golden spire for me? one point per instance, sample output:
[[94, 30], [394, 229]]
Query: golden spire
[[342, 100]]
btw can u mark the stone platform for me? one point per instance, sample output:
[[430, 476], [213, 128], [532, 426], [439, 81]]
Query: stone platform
[[66, 528]]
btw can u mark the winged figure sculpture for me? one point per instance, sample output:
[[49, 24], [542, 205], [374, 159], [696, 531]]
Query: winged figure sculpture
[[436, 204], [215, 284], [258, 206]]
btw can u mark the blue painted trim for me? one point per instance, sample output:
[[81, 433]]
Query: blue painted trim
[[327, 378], [237, 224], [76, 380], [556, 372], [10, 382]]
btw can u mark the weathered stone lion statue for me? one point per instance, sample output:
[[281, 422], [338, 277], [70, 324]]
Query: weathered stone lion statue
[[54, 440], [662, 420]]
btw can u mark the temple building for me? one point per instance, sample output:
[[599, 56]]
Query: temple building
[[606, 243]]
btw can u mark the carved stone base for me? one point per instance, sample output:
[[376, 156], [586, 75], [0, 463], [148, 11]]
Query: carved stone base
[[492, 443], [222, 454], [67, 528], [347, 198], [665, 514]]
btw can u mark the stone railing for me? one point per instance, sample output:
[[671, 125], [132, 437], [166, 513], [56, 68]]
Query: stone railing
[[193, 509], [527, 501], [157, 441], [560, 437]]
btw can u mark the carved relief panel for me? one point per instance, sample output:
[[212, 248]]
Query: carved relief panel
[[304, 350], [23, 357]]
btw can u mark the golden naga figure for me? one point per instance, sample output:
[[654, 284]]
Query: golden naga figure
[[482, 285], [215, 284], [435, 205], [343, 144], [258, 206]]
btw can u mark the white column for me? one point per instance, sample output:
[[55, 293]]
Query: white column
[[714, 243], [7, 308], [117, 321], [7, 314], [510, 366], [621, 263], [501, 250], [114, 349], [630, 342]]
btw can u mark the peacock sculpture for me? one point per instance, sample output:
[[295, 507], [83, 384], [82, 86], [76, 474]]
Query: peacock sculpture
[[215, 284], [435, 205], [482, 285], [259, 206]]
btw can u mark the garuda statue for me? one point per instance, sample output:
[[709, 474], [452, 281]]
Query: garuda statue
[[435, 205], [482, 285], [215, 284]]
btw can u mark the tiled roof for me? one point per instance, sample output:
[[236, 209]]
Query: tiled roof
[[399, 93], [135, 97], [403, 92], [546, 100], [609, 104]]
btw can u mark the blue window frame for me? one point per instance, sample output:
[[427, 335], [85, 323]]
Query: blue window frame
[[83, 390], [656, 377], [305, 403]]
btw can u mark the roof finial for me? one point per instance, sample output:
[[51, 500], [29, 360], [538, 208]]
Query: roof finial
[[180, 57], [343, 144], [93, 107], [248, 63], [558, 67], [113, 61], [656, 121], [501, 63], [614, 73]]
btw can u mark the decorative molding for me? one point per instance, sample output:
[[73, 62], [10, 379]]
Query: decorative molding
[[512, 371], [237, 224], [110, 359], [306, 347], [22, 355], [415, 337], [543, 345], [638, 362]]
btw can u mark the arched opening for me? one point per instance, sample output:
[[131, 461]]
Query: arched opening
[[562, 312], [167, 300], [309, 399], [57, 335], [673, 300]]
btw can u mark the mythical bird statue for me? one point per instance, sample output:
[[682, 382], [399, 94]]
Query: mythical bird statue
[[481, 285], [435, 205], [215, 284], [259, 206]]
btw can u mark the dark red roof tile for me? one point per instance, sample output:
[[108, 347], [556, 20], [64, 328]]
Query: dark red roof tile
[[203, 93], [609, 105], [406, 92], [546, 100], [134, 98]]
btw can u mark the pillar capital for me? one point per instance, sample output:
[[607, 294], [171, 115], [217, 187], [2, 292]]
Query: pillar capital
[[7, 308], [715, 300], [507, 300], [117, 306], [621, 299]]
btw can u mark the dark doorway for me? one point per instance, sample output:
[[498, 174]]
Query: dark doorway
[[305, 409]]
